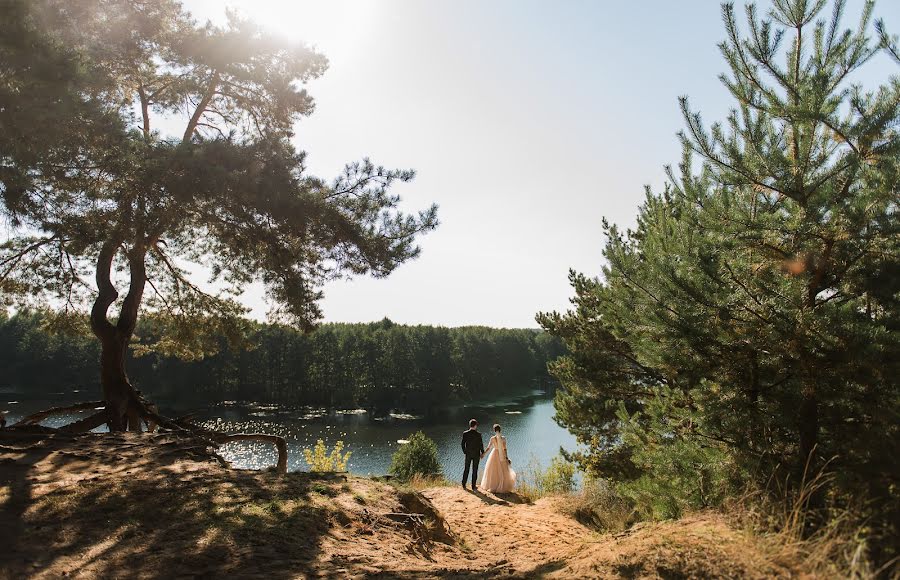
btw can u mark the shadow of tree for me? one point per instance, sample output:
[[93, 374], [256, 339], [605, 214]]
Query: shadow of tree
[[156, 513], [17, 456], [160, 506]]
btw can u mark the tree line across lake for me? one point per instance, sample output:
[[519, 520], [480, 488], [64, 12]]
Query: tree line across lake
[[380, 366]]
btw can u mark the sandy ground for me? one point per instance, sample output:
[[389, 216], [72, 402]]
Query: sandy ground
[[504, 533], [513, 537], [159, 506]]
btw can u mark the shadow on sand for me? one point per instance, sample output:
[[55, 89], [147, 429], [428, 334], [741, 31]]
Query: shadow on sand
[[504, 499], [153, 511]]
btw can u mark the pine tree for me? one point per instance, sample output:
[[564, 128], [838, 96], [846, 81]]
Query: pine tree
[[749, 323], [95, 183]]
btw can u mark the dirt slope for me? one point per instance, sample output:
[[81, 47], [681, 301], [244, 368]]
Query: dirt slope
[[536, 539], [159, 506]]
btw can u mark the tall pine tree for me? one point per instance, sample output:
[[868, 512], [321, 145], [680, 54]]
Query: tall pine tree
[[97, 185], [749, 324]]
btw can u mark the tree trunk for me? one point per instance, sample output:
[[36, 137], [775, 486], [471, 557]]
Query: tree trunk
[[121, 399], [123, 405], [809, 427]]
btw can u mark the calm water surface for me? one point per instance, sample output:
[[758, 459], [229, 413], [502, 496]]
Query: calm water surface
[[527, 423]]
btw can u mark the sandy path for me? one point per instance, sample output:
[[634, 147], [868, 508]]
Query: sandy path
[[510, 537], [505, 534]]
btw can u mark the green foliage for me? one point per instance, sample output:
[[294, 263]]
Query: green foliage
[[678, 472], [320, 460], [748, 326], [417, 458], [378, 366], [534, 481], [129, 157], [559, 477]]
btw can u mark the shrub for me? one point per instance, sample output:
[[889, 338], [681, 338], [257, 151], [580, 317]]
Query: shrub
[[598, 505], [534, 481], [320, 460], [528, 480], [559, 477], [416, 458]]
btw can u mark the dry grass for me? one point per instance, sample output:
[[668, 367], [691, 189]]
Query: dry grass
[[784, 530], [597, 506], [418, 482], [782, 533]]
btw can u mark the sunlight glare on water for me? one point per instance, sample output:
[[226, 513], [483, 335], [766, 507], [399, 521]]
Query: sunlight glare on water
[[527, 424]]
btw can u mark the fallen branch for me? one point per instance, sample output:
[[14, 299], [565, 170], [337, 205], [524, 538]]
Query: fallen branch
[[403, 517], [37, 417], [146, 411]]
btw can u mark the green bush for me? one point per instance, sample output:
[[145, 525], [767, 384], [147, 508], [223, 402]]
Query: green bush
[[320, 460], [416, 458], [535, 482], [677, 473], [559, 477]]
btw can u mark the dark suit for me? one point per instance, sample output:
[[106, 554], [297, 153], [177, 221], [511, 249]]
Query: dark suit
[[473, 447]]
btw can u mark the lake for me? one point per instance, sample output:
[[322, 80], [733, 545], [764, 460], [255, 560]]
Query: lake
[[527, 424]]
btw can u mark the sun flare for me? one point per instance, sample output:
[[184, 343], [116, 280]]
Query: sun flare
[[333, 26]]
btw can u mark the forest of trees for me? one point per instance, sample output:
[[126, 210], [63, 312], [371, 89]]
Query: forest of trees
[[379, 366], [745, 332]]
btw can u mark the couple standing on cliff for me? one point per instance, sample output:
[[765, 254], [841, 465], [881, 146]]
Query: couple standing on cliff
[[499, 476]]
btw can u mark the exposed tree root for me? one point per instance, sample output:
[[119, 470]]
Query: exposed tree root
[[144, 411], [40, 416], [86, 424]]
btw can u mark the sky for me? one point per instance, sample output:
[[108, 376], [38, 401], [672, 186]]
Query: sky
[[527, 122]]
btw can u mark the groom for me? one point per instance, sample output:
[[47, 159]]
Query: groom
[[473, 447]]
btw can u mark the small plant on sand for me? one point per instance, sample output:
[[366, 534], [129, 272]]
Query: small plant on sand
[[416, 458], [528, 484], [557, 479], [419, 482], [320, 460], [322, 489]]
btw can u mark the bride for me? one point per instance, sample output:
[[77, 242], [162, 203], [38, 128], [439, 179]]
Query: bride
[[499, 476]]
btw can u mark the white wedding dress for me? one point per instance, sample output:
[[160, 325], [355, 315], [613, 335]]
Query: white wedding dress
[[499, 476]]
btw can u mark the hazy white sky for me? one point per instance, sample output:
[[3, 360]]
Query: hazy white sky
[[527, 122]]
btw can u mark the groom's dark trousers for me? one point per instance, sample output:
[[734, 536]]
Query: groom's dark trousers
[[473, 462], [473, 447]]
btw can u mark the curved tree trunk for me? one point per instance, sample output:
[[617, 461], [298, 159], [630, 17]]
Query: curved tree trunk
[[120, 396], [123, 405], [125, 408]]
